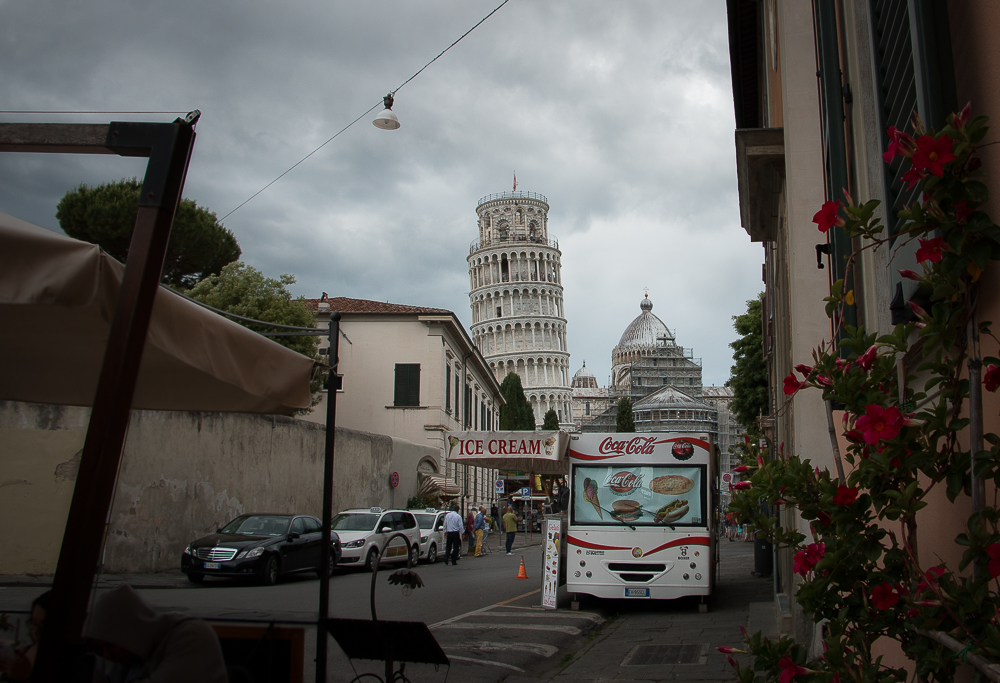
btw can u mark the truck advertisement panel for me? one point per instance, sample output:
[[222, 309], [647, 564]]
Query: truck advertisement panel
[[639, 495]]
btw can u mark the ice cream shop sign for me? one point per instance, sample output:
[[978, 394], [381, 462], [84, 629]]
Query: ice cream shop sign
[[542, 452]]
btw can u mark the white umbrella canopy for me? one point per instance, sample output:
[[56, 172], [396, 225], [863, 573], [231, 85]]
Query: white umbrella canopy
[[57, 299], [534, 452]]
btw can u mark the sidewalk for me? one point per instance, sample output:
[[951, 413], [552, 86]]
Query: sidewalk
[[644, 641]]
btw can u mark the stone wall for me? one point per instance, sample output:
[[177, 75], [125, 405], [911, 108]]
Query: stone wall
[[182, 475]]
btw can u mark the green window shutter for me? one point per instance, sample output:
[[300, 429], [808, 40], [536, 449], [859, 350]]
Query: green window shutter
[[407, 389]]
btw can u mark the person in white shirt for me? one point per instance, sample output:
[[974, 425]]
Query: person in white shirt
[[453, 535]]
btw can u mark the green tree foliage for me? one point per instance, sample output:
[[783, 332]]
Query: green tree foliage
[[517, 414], [243, 290], [551, 420], [422, 500], [105, 215], [625, 420], [748, 377]]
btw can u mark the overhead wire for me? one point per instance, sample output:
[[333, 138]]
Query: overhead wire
[[392, 92]]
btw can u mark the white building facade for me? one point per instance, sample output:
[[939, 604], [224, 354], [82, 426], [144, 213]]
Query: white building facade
[[516, 295]]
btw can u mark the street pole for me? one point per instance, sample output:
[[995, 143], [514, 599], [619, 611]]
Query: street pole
[[331, 435]]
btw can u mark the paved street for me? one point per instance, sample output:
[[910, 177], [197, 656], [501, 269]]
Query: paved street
[[487, 621]]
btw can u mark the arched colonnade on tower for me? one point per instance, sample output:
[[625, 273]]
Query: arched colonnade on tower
[[519, 336], [509, 302], [514, 266]]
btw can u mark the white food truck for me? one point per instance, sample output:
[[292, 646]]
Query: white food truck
[[641, 515]]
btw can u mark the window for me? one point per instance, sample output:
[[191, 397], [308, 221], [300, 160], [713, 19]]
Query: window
[[407, 384], [447, 389], [338, 383], [587, 408], [298, 526], [457, 399], [312, 525]]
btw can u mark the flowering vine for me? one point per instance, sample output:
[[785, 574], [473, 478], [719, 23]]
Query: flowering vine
[[862, 571]]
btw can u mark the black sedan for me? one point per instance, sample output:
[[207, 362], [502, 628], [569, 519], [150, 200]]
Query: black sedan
[[264, 547]]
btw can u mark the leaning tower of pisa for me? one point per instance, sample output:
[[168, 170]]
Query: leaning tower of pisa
[[515, 289]]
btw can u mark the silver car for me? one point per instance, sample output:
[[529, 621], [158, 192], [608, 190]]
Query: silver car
[[362, 532], [431, 523]]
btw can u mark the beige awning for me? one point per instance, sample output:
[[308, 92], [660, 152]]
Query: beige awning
[[435, 484], [57, 299]]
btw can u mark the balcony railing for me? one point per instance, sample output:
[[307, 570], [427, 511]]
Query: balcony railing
[[513, 195], [515, 239]]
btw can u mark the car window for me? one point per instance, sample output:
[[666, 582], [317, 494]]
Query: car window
[[387, 521], [407, 520], [312, 525], [440, 523], [257, 525], [425, 520], [354, 522], [298, 526]]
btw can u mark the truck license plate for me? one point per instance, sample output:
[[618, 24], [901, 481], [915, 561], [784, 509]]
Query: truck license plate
[[212, 565], [636, 592]]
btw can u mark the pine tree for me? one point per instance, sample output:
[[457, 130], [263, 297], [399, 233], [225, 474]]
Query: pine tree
[[625, 421], [551, 421], [517, 414]]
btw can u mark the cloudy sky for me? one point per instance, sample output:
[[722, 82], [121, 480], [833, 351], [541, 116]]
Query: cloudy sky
[[620, 112]]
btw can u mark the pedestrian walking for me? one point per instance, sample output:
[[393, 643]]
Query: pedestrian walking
[[453, 535], [470, 531], [510, 526], [479, 526]]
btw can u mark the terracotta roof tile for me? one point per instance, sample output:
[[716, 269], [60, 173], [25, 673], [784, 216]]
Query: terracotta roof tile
[[346, 305]]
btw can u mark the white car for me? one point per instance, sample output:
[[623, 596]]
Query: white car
[[431, 523], [362, 532]]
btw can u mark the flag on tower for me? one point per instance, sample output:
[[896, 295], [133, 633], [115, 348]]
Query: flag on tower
[[515, 181]]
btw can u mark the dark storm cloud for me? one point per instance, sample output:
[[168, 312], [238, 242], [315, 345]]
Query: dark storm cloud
[[619, 112]]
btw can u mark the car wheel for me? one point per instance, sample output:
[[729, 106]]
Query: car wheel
[[370, 560], [432, 554], [196, 578], [414, 555], [269, 575]]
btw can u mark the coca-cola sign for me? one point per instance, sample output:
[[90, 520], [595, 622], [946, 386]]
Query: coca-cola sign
[[623, 482], [636, 445]]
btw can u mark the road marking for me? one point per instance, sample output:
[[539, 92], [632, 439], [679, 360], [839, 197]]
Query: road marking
[[571, 630], [501, 604], [547, 615], [535, 648], [481, 609], [487, 662]]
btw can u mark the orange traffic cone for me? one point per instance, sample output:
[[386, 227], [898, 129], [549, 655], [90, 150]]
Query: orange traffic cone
[[522, 574]]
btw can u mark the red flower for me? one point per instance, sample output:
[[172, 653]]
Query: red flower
[[960, 119], [883, 596], [845, 495], [789, 670], [804, 370], [994, 552], [899, 143], [912, 612], [805, 560], [823, 380], [930, 250], [827, 217], [913, 176], [962, 212], [741, 468], [992, 378], [910, 275], [879, 424], [867, 358], [930, 578], [823, 518], [933, 154], [855, 436], [791, 385], [742, 485], [726, 650]]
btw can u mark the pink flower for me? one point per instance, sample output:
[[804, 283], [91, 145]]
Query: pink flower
[[827, 217], [789, 670], [994, 552], [742, 485], [792, 385], [933, 154], [879, 424], [741, 468], [991, 380], [866, 359], [804, 370], [726, 650], [910, 275], [845, 495], [805, 560], [883, 596], [823, 380], [960, 119], [854, 436], [930, 250]]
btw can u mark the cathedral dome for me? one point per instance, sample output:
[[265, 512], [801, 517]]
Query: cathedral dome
[[645, 332], [584, 378]]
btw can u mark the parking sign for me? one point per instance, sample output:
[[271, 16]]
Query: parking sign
[[525, 493]]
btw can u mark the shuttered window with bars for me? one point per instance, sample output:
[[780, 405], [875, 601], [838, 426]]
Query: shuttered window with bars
[[407, 385]]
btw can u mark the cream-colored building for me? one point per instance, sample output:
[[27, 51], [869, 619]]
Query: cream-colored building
[[589, 399], [412, 373]]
